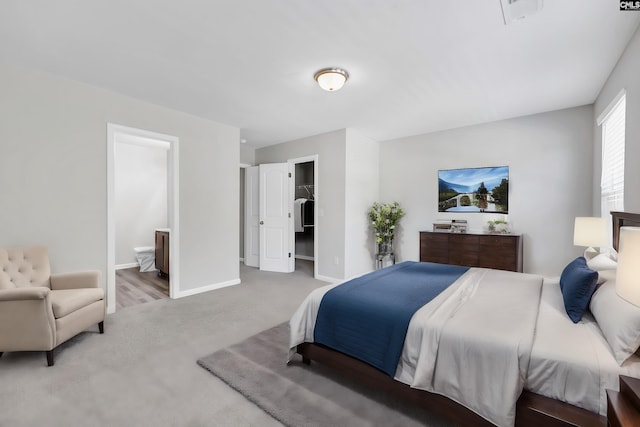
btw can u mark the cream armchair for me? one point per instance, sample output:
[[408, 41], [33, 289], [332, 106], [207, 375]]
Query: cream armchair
[[39, 310]]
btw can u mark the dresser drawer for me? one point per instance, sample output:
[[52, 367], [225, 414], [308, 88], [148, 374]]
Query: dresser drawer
[[463, 249], [502, 252], [434, 247], [497, 240]]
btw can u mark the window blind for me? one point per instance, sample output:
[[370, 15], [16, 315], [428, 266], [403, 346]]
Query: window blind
[[613, 141]]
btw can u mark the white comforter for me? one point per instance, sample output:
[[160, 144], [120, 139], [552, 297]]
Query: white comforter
[[472, 343]]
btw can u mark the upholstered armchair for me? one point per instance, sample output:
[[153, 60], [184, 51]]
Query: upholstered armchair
[[39, 310]]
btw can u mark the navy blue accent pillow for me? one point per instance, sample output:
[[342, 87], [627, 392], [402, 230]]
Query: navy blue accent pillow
[[577, 283]]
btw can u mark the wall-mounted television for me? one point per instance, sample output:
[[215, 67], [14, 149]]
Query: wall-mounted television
[[474, 190]]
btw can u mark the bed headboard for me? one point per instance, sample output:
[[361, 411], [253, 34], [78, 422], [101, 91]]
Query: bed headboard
[[623, 219]]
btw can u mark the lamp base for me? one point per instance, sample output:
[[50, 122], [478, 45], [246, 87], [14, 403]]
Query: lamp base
[[591, 253]]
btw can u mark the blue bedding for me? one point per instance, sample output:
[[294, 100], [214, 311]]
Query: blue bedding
[[368, 317]]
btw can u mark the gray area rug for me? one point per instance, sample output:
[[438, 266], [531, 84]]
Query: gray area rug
[[301, 395]]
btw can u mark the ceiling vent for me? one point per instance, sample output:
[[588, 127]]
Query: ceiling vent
[[513, 10]]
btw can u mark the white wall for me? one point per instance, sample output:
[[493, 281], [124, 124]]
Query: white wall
[[140, 178], [53, 175], [624, 76], [247, 155], [330, 192], [362, 159], [550, 159]]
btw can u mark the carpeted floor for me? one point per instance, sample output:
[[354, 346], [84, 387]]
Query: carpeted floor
[[142, 370], [300, 395]]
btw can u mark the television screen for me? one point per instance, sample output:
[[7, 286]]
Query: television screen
[[474, 190]]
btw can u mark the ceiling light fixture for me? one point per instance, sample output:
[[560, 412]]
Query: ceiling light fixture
[[331, 79], [513, 10]]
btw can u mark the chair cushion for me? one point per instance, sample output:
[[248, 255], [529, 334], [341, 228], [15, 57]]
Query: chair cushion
[[69, 300]]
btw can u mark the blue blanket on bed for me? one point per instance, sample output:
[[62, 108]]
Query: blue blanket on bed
[[368, 317]]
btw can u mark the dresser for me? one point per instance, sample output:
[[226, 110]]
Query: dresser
[[162, 252], [499, 251]]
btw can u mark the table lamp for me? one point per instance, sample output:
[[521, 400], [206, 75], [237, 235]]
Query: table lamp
[[590, 232], [628, 272]]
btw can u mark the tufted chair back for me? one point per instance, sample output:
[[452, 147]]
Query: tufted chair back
[[23, 267]]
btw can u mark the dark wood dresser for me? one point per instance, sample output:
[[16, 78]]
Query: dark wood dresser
[[499, 251]]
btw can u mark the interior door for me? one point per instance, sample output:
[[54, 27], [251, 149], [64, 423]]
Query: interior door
[[275, 218], [252, 216]]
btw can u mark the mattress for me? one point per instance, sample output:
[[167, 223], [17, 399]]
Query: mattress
[[572, 362]]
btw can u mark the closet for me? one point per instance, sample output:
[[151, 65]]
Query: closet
[[304, 201]]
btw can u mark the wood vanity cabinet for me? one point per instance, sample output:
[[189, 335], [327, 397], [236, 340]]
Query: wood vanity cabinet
[[162, 253], [499, 251]]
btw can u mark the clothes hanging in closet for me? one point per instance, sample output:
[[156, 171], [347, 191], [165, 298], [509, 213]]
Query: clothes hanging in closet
[[303, 214]]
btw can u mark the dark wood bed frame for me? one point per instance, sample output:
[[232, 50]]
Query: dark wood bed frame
[[531, 410]]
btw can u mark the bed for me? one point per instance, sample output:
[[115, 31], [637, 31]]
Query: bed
[[556, 374]]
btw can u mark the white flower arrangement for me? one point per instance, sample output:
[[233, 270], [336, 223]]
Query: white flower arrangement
[[384, 217]]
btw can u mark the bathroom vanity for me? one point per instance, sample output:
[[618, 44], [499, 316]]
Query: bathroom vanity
[[162, 252]]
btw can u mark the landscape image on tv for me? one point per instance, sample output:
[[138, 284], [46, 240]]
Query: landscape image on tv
[[474, 190]]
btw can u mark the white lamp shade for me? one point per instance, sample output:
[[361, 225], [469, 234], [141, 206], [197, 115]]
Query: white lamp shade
[[590, 231], [331, 79], [628, 272]]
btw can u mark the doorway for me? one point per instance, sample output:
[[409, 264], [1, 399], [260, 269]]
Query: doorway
[[304, 195], [304, 216], [142, 178], [305, 177]]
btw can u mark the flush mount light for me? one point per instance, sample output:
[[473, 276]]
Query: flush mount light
[[513, 10], [331, 79]]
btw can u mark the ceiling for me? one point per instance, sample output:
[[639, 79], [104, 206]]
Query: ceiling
[[416, 66]]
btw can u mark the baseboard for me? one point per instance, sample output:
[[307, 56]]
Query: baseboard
[[328, 279], [241, 259], [305, 257], [207, 288], [130, 265]]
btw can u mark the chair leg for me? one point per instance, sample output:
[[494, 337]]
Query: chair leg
[[50, 358], [101, 327]]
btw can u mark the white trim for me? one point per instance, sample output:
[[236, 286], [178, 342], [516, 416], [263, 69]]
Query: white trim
[[305, 257], [329, 279], [142, 141], [243, 222], [612, 105], [129, 265], [207, 288], [126, 134], [316, 196]]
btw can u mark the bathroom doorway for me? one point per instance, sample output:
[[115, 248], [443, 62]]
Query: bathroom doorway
[[142, 202]]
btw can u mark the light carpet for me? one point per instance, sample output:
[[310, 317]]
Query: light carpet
[[299, 395]]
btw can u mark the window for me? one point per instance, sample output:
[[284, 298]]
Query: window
[[612, 121]]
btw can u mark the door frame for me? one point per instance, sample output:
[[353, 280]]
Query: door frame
[[292, 194], [117, 132], [243, 220]]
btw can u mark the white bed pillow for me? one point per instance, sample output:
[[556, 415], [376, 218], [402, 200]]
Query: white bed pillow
[[605, 275], [618, 319], [602, 262]]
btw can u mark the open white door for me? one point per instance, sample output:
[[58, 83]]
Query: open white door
[[275, 253], [252, 216]]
